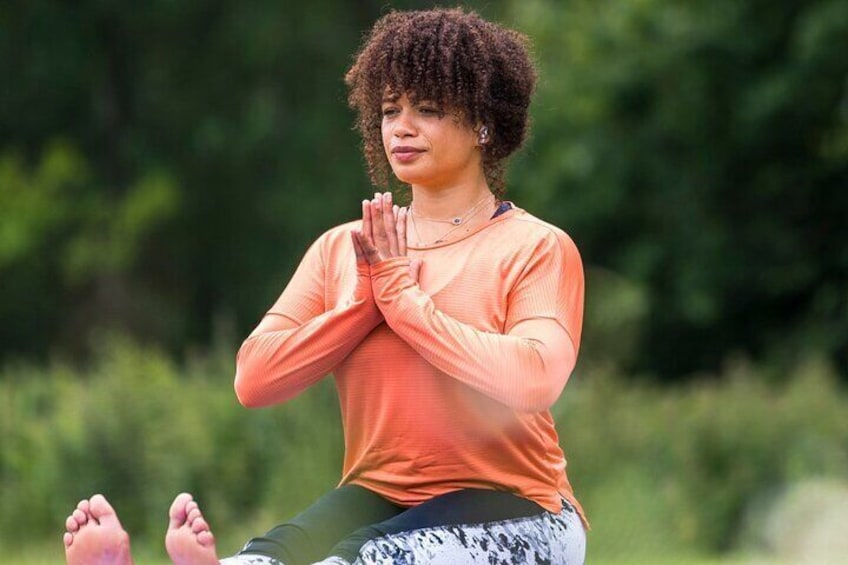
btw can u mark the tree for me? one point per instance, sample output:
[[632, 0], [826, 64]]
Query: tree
[[701, 151], [215, 141]]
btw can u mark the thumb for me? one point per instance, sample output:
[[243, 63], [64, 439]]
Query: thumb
[[415, 268], [357, 247]]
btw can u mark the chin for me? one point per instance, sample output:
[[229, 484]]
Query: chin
[[407, 178]]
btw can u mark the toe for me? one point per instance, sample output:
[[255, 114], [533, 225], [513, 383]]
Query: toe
[[71, 524], [178, 512], [99, 506], [102, 511], [80, 517], [68, 539], [199, 525], [194, 515], [205, 538]]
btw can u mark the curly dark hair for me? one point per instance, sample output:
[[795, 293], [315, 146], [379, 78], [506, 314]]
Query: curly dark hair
[[477, 69]]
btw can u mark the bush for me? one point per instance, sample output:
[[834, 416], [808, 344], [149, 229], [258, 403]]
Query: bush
[[140, 430], [659, 470], [666, 469]]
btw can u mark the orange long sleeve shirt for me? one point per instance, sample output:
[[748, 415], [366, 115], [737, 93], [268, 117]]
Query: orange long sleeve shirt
[[445, 383]]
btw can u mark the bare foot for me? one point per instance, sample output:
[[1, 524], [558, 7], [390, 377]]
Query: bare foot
[[95, 536], [189, 541]]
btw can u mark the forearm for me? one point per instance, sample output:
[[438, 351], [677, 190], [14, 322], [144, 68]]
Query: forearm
[[525, 369], [276, 365]]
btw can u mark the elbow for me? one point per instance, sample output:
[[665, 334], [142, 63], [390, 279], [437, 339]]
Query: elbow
[[537, 401], [542, 383], [541, 395], [548, 398], [250, 374], [543, 391], [255, 389], [246, 384], [245, 393]]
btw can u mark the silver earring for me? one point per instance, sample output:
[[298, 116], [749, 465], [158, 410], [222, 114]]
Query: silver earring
[[483, 137]]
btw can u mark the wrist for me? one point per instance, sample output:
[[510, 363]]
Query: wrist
[[362, 292], [389, 278]]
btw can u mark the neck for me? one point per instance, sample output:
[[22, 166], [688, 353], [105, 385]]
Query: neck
[[446, 203], [462, 207]]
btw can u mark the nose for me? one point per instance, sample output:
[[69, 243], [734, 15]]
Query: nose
[[403, 125]]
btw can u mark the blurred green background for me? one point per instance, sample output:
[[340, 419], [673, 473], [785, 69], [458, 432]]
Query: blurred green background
[[164, 164]]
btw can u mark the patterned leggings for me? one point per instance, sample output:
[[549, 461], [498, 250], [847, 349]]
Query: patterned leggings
[[353, 526]]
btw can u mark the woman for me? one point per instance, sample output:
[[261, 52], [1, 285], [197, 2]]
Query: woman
[[451, 326]]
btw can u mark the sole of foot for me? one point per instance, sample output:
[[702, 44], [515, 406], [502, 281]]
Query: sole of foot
[[94, 535], [189, 541]]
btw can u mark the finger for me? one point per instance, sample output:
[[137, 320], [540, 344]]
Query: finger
[[376, 210], [366, 251], [376, 214], [366, 218], [378, 229], [389, 224], [357, 247], [400, 227]]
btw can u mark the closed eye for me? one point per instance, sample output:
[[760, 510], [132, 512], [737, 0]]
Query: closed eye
[[430, 111]]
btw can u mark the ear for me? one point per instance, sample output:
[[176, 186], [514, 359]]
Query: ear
[[482, 134]]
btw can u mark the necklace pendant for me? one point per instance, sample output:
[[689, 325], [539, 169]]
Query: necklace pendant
[[456, 221]]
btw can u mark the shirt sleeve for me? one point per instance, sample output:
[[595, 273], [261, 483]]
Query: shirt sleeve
[[300, 341], [526, 367]]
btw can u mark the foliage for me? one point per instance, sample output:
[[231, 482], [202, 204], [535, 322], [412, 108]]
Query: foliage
[[139, 430], [679, 468], [700, 150], [216, 143], [660, 471], [162, 169]]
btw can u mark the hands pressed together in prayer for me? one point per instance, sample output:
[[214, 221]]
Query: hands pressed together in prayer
[[383, 233]]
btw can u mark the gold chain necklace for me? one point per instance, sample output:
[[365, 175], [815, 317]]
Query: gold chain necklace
[[456, 221]]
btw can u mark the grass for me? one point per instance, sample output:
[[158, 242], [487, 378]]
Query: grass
[[50, 553], [668, 475]]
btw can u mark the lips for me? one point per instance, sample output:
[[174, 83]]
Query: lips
[[405, 153]]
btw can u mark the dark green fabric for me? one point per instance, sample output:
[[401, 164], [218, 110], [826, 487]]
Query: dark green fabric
[[343, 520], [309, 536]]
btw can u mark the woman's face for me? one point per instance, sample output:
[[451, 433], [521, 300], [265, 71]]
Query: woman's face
[[427, 146]]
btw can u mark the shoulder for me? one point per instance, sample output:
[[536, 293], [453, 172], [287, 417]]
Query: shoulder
[[341, 231], [329, 247], [336, 238], [527, 230]]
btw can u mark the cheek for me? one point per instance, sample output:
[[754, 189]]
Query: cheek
[[387, 137]]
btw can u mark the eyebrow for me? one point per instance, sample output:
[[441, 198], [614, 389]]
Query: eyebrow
[[391, 97]]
